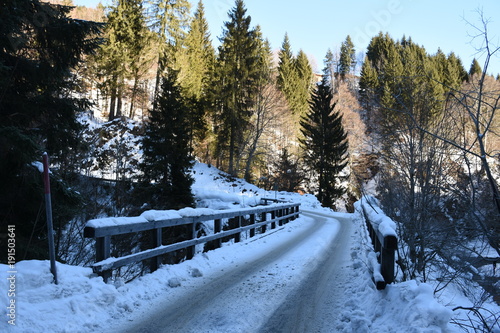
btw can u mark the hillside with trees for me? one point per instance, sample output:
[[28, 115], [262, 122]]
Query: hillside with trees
[[126, 98]]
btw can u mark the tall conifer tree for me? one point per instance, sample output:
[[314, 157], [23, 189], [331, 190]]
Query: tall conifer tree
[[475, 69], [304, 83], [287, 74], [119, 57], [329, 69], [195, 73], [166, 180], [347, 61], [325, 144], [200, 55], [40, 45], [169, 20], [294, 78], [237, 74]]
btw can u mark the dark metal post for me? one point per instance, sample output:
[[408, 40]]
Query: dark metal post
[[192, 249], [48, 209], [157, 240], [102, 252], [237, 237], [218, 228], [263, 218], [252, 221], [387, 258]]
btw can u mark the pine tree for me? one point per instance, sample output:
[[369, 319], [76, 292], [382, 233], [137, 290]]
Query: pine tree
[[368, 93], [325, 144], [119, 58], [287, 175], [347, 62], [169, 20], [195, 73], [39, 47], [475, 69], [200, 55], [287, 80], [237, 74], [329, 69], [166, 180], [304, 83]]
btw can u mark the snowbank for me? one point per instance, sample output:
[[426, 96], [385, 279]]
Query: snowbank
[[402, 307], [381, 222]]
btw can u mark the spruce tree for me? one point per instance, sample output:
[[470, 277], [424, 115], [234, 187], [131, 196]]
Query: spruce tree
[[325, 144], [475, 69], [304, 83], [287, 80], [237, 73], [166, 180], [169, 20], [200, 55], [120, 55], [40, 45], [287, 174], [195, 74], [329, 69], [347, 61], [368, 93]]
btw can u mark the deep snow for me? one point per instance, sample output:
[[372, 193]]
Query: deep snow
[[82, 302]]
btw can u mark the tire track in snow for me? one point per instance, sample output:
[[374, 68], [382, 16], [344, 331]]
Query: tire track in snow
[[315, 304]]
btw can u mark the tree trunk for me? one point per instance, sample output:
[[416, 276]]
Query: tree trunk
[[112, 105], [131, 112]]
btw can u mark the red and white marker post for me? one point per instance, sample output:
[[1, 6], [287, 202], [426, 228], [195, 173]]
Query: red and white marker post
[[48, 209]]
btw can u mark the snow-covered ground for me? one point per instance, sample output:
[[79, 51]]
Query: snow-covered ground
[[82, 302]]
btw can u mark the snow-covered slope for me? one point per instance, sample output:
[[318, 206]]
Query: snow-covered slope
[[82, 302]]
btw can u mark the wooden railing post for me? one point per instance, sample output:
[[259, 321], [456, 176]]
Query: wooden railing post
[[156, 235], [252, 221], [263, 218], [102, 252], [192, 249], [273, 216], [218, 228], [237, 237], [387, 258], [386, 246]]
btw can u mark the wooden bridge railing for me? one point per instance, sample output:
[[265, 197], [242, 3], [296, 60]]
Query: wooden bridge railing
[[104, 229], [384, 239]]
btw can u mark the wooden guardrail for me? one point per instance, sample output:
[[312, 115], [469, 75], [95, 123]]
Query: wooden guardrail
[[104, 229], [384, 239]]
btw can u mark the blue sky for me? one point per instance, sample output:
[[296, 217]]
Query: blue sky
[[316, 25]]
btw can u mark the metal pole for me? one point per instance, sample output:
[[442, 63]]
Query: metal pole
[[48, 209]]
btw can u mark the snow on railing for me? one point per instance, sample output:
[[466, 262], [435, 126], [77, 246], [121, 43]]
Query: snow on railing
[[382, 230], [154, 222]]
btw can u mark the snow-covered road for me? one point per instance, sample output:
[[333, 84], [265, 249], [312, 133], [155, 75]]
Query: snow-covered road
[[316, 302], [255, 295]]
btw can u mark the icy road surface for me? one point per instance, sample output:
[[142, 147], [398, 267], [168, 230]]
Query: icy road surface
[[287, 289], [318, 299]]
